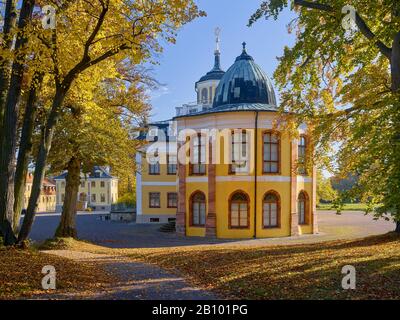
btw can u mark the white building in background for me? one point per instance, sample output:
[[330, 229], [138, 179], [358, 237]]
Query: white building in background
[[98, 190]]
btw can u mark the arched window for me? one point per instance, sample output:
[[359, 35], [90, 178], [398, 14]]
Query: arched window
[[271, 210], [271, 152], [239, 210], [302, 154], [302, 203], [204, 96], [198, 209]]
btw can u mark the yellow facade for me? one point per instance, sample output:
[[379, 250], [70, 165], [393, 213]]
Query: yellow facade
[[160, 183], [47, 199], [227, 183], [236, 116], [280, 183]]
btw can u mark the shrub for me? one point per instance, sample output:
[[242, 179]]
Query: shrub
[[127, 199]]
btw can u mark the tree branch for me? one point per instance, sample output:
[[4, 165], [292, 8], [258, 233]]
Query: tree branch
[[314, 5], [361, 24], [95, 30], [366, 31], [80, 67]]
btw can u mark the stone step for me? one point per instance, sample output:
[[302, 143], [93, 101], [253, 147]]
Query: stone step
[[168, 227]]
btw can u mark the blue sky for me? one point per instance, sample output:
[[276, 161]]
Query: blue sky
[[182, 64]]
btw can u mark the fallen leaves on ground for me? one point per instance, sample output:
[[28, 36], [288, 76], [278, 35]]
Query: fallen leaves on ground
[[303, 271], [21, 274], [288, 272]]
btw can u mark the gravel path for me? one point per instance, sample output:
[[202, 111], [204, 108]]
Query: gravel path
[[349, 225], [136, 281]]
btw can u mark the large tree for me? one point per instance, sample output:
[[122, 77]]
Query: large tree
[[11, 77], [88, 34], [96, 130], [345, 82]]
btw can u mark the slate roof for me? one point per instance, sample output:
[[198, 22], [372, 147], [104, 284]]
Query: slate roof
[[98, 172], [244, 87], [234, 108], [244, 82], [216, 73]]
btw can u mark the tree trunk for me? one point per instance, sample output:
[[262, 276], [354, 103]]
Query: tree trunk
[[25, 148], [10, 18], [395, 71], [9, 136], [66, 227], [40, 164], [395, 63]]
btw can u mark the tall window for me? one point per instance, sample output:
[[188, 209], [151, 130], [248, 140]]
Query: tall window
[[239, 211], [103, 197], [271, 152], [102, 184], [154, 200], [93, 184], [172, 200], [154, 168], [93, 197], [198, 155], [82, 197], [302, 207], [239, 155], [204, 96], [271, 210], [302, 155], [198, 209], [172, 164]]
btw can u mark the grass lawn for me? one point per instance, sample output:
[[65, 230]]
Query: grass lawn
[[21, 277], [347, 206], [288, 272]]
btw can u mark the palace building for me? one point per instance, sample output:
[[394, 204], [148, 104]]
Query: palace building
[[98, 190], [224, 167]]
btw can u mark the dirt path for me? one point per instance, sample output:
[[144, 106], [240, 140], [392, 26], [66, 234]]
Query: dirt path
[[136, 281]]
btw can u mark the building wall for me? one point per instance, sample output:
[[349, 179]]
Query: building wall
[[286, 182], [227, 184], [46, 200], [162, 183], [210, 86], [109, 191]]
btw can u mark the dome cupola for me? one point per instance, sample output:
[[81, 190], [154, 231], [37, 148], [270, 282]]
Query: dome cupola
[[244, 83]]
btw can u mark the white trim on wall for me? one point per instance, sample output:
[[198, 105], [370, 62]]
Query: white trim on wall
[[261, 179], [301, 179], [196, 179], [159, 183], [138, 184], [274, 179], [234, 178]]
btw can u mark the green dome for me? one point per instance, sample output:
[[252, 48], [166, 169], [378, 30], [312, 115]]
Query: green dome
[[244, 83]]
